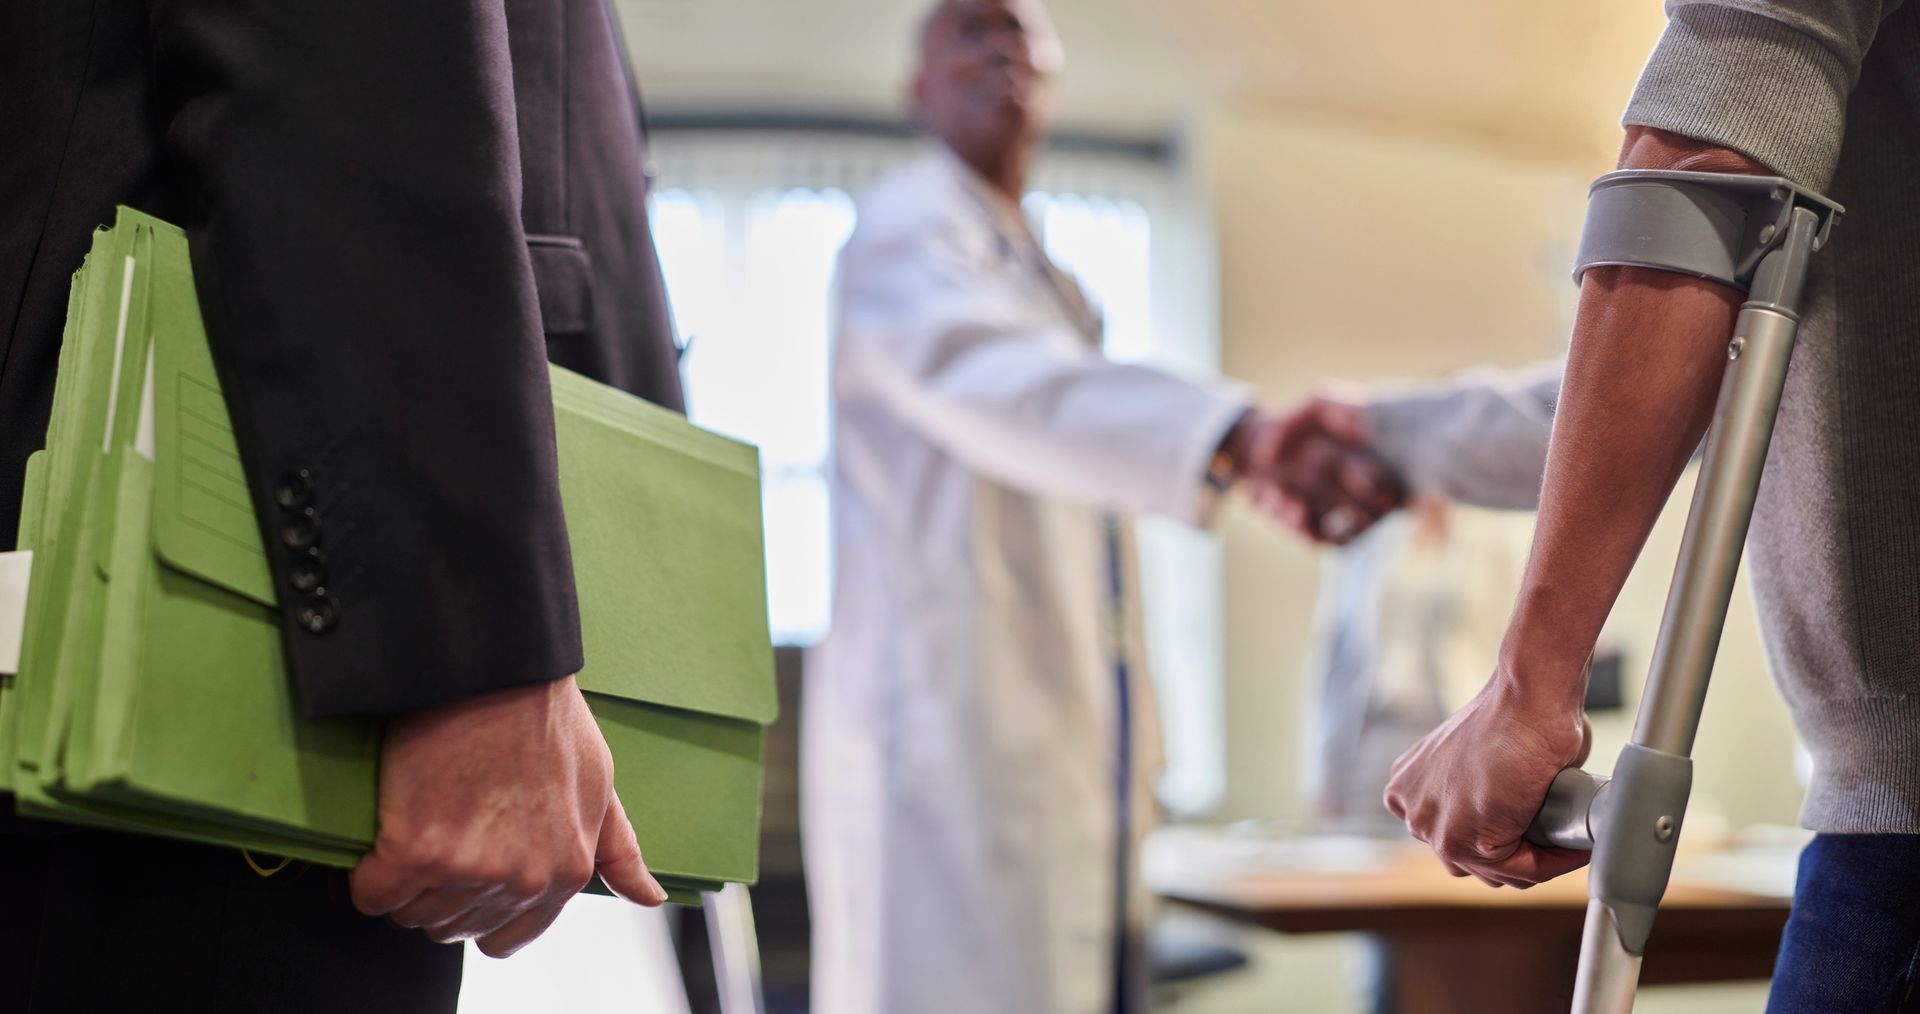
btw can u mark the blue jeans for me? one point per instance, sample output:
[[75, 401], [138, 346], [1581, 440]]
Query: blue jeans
[[1854, 936]]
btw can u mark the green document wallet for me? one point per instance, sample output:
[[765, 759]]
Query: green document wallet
[[153, 692]]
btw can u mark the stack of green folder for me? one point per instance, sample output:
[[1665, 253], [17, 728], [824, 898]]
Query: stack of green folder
[[153, 694]]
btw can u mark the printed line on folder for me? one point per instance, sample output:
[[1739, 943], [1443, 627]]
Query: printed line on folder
[[233, 494], [201, 402]]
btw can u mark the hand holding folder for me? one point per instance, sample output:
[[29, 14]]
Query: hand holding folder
[[152, 692]]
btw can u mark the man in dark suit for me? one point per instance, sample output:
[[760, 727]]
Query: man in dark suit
[[397, 212]]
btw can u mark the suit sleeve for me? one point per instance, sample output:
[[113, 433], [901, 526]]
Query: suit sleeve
[[946, 345], [1478, 439], [351, 175]]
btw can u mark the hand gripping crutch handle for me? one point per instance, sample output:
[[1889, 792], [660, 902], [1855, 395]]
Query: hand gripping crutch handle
[[1566, 818]]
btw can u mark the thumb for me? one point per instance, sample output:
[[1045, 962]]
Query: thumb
[[617, 859], [380, 886], [1532, 864]]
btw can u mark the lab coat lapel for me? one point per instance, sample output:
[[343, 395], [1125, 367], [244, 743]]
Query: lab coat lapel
[[1014, 236]]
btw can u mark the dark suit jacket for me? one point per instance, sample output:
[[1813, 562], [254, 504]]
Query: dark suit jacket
[[397, 212]]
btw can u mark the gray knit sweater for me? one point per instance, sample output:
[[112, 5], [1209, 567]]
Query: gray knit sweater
[[1826, 92]]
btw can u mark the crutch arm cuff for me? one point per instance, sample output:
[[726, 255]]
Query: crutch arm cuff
[[1717, 226]]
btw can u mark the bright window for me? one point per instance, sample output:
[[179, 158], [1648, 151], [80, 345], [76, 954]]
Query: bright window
[[749, 286]]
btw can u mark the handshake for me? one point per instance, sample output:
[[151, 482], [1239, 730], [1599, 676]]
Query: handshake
[[1311, 468]]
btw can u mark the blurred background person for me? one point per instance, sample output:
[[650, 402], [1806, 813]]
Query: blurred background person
[[979, 733], [1393, 637]]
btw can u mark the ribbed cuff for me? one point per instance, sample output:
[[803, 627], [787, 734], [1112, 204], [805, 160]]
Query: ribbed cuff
[[1743, 81], [1866, 764]]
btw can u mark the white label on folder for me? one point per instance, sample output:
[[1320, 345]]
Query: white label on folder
[[119, 350], [15, 568], [143, 428]]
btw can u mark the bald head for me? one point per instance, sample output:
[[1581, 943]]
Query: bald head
[[1029, 16], [985, 81]]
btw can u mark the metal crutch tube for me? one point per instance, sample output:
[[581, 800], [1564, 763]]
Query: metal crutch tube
[[1632, 820]]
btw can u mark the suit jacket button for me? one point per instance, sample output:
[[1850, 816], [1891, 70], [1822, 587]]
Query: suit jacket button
[[294, 490], [302, 530], [318, 613], [309, 570]]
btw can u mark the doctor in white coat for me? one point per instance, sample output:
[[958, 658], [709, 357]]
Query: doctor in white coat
[[978, 732]]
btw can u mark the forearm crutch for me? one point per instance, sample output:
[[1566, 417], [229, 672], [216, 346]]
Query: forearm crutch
[[1758, 234]]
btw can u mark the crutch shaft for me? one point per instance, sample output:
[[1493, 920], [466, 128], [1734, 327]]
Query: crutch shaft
[[1723, 499]]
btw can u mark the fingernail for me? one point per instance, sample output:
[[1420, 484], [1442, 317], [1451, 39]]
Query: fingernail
[[659, 895]]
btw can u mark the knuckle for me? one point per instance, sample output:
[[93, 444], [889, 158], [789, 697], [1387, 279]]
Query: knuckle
[[426, 857], [1423, 819], [602, 756], [487, 874], [525, 883], [574, 875], [1449, 847]]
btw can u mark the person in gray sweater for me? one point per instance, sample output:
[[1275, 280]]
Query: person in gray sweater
[[1825, 93]]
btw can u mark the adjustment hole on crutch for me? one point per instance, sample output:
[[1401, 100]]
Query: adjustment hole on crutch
[[1733, 351], [1663, 828]]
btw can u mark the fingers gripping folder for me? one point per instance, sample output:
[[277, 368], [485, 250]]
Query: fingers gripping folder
[[1758, 234]]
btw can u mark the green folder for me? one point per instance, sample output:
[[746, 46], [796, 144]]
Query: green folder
[[153, 694]]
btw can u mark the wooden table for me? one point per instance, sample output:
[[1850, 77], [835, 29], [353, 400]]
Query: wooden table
[[1457, 946]]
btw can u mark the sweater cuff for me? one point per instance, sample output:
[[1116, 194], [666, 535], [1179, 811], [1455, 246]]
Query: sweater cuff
[[1743, 81]]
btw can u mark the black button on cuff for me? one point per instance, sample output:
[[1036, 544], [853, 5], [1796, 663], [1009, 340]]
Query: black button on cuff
[[319, 613], [309, 570], [302, 530], [294, 490]]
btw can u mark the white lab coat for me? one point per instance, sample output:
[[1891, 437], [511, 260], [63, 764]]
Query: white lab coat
[[960, 735]]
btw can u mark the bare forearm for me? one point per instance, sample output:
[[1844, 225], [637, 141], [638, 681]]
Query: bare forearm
[[1647, 356], [1643, 371]]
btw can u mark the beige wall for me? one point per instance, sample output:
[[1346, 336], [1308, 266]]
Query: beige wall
[[1382, 254]]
